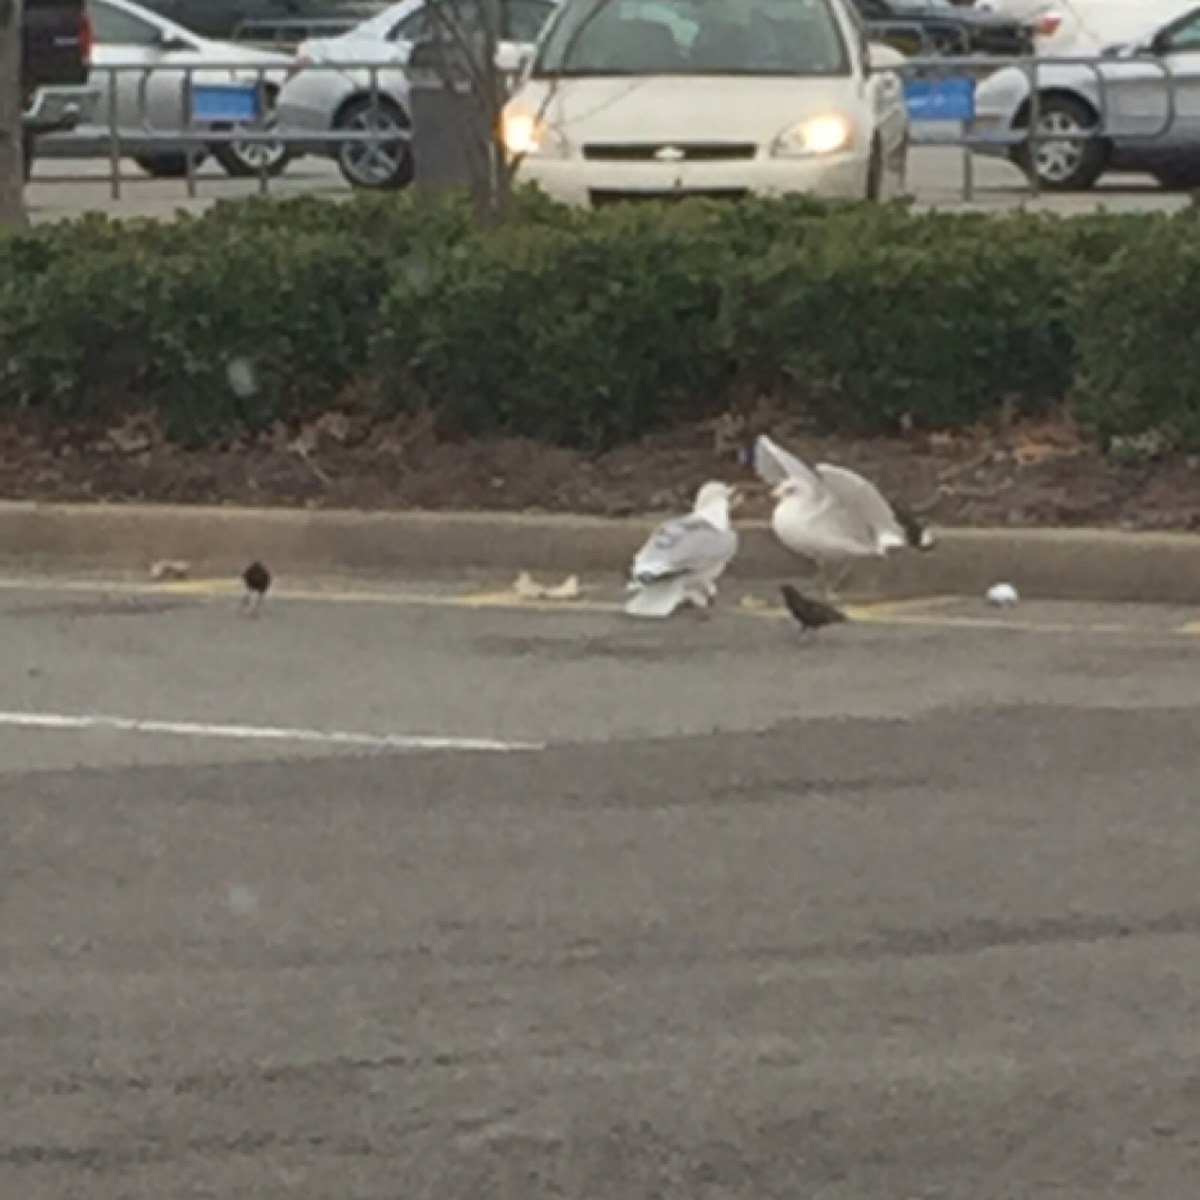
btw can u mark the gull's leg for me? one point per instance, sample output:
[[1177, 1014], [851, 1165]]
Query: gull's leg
[[834, 586]]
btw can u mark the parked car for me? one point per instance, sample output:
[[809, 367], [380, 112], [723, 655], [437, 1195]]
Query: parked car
[[673, 98], [1133, 128], [56, 47], [925, 27], [322, 101], [280, 22], [128, 35], [1070, 27]]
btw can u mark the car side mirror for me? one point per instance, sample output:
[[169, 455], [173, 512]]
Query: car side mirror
[[882, 57], [172, 45]]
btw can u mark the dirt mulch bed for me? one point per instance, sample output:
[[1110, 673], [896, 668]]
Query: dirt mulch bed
[[1025, 475]]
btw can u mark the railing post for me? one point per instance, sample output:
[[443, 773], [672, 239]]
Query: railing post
[[1035, 183], [189, 129], [114, 139]]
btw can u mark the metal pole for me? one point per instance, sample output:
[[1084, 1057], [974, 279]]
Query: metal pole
[[260, 87], [1035, 187], [189, 129], [114, 139]]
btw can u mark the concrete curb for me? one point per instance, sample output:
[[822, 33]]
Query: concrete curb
[[1095, 565]]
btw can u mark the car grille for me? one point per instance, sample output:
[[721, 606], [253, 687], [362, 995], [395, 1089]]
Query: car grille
[[603, 196], [677, 152]]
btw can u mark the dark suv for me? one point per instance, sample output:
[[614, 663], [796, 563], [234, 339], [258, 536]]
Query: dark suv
[[935, 27]]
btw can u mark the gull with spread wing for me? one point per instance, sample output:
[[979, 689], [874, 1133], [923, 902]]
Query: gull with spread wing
[[830, 514]]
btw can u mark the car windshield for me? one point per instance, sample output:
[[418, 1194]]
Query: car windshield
[[693, 37]]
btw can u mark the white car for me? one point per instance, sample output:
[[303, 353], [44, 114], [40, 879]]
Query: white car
[[628, 99], [150, 96], [1083, 27], [324, 101], [1117, 116]]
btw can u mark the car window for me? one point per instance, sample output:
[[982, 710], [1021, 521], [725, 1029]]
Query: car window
[[114, 27], [414, 28], [521, 21], [1185, 35], [694, 37]]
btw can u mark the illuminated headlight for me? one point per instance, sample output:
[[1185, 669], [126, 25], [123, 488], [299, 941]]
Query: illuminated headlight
[[826, 134], [527, 136]]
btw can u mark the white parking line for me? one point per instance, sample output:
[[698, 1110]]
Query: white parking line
[[256, 733]]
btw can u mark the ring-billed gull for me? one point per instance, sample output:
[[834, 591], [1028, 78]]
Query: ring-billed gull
[[831, 514], [684, 557]]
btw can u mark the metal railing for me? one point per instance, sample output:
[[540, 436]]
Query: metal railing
[[958, 126], [239, 111]]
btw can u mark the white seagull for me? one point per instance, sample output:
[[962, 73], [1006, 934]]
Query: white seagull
[[684, 557], [833, 515]]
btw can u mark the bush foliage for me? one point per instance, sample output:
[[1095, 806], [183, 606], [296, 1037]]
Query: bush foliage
[[589, 329]]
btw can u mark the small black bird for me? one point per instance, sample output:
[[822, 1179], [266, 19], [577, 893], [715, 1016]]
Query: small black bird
[[811, 614], [257, 579]]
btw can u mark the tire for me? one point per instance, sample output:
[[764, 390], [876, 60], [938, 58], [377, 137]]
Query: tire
[[387, 167], [169, 165], [1065, 166], [237, 159], [246, 160]]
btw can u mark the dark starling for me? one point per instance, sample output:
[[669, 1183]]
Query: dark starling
[[919, 535], [811, 614], [257, 579]]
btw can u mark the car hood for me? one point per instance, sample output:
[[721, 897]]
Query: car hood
[[678, 108]]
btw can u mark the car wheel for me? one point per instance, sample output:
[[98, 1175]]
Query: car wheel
[[244, 160], [166, 166], [875, 173], [1064, 163], [378, 165]]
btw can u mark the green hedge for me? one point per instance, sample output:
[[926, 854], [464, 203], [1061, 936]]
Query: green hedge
[[589, 329]]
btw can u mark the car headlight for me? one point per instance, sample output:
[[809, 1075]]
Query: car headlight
[[824, 134], [528, 136]]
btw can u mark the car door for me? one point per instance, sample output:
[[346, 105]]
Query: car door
[[152, 100], [1141, 80], [124, 40], [1179, 47]]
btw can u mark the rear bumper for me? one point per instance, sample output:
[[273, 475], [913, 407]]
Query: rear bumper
[[55, 109]]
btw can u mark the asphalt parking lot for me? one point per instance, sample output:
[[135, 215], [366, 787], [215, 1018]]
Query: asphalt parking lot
[[908, 911], [64, 187]]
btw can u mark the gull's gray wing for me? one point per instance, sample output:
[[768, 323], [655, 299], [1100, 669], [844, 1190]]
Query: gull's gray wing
[[683, 546], [864, 499]]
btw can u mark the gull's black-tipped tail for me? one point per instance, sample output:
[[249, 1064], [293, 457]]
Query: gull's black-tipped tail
[[919, 535], [810, 613]]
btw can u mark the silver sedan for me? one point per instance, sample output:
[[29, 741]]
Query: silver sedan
[[365, 88], [1136, 110], [141, 63]]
